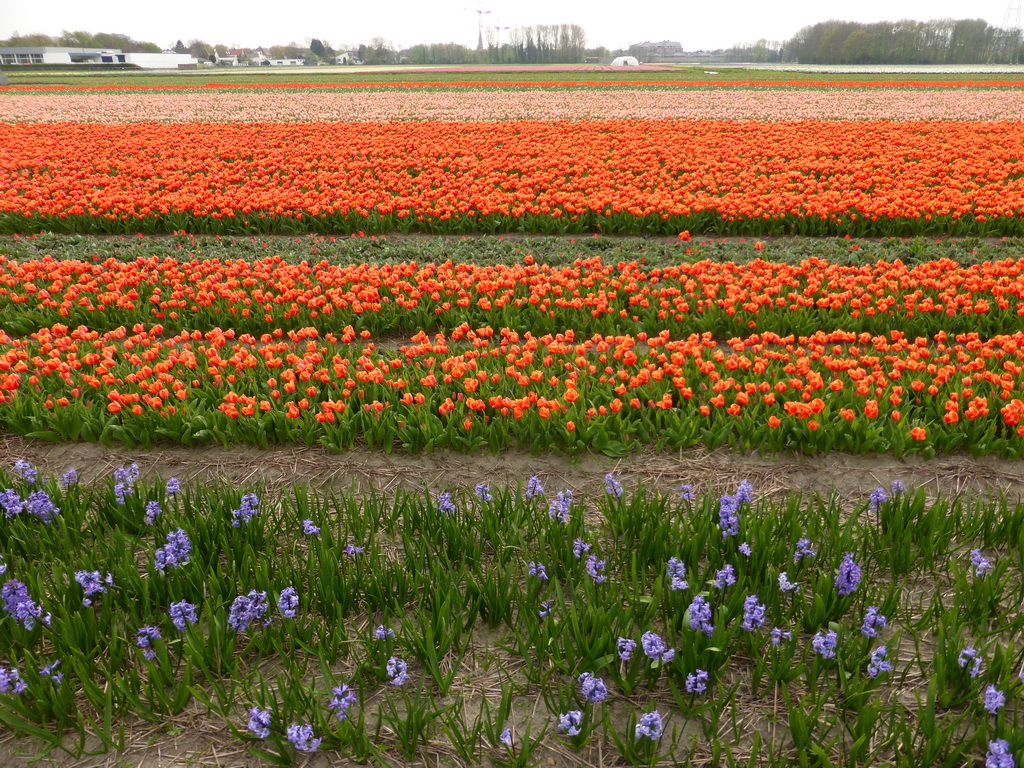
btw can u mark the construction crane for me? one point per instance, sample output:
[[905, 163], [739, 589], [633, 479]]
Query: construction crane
[[479, 36], [1011, 20]]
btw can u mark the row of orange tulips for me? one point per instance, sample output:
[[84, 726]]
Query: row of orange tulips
[[497, 388], [724, 298], [809, 177]]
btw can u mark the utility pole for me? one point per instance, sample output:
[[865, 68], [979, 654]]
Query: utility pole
[[1011, 20]]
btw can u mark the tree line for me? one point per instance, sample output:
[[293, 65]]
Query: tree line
[[548, 44], [941, 41], [541, 44], [80, 39]]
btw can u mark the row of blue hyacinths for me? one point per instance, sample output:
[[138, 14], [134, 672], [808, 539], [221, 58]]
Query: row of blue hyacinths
[[506, 622]]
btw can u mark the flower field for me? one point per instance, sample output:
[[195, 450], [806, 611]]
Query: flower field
[[490, 389], [724, 298], [809, 355], [510, 103], [639, 624], [421, 271], [550, 161]]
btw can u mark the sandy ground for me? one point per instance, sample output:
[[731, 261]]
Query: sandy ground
[[852, 477]]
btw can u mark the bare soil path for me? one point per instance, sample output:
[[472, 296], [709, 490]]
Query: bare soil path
[[852, 477]]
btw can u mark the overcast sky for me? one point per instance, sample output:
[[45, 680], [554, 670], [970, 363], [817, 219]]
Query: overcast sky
[[405, 22]]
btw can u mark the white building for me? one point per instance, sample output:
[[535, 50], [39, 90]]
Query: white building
[[160, 60], [625, 61], [87, 56], [648, 51], [48, 55]]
